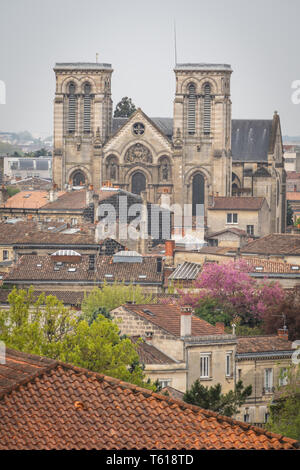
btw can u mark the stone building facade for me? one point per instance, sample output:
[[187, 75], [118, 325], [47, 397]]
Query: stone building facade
[[198, 154]]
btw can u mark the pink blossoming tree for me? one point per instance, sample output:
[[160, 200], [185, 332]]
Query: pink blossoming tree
[[235, 291]]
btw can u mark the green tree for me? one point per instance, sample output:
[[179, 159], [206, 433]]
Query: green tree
[[99, 347], [35, 325], [45, 327], [111, 296], [211, 398], [125, 108], [285, 409], [213, 311], [11, 191]]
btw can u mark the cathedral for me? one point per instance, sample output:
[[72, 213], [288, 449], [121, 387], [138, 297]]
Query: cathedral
[[199, 154]]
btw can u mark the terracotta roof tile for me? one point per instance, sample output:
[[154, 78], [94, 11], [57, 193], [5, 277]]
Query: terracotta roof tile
[[74, 298], [149, 354], [259, 265], [275, 243], [64, 407], [28, 200], [167, 316], [265, 343], [237, 203], [34, 268]]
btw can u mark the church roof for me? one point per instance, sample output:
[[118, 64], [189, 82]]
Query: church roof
[[202, 66], [250, 139], [165, 125], [81, 66]]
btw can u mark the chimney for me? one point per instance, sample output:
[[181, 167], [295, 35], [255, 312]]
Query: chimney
[[53, 193], [96, 207], [283, 333], [169, 251], [89, 195], [186, 321], [220, 325], [159, 264]]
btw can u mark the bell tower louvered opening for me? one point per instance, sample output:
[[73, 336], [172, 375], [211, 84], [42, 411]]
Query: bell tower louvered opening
[[72, 109], [191, 109], [207, 109], [87, 108]]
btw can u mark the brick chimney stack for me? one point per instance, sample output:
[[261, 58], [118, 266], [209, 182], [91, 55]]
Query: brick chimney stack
[[89, 195], [186, 321], [169, 252], [53, 193], [283, 333]]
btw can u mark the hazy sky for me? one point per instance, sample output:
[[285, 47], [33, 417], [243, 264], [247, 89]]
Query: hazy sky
[[259, 38]]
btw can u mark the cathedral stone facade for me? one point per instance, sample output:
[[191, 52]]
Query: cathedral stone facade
[[198, 155]]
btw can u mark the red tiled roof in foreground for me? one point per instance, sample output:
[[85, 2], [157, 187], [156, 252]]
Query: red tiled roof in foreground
[[64, 407]]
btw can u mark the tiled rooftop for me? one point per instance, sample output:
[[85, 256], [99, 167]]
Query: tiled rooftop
[[167, 316], [30, 232], [149, 354], [64, 407], [74, 298], [34, 268], [27, 200], [252, 344], [237, 203], [259, 265], [275, 243]]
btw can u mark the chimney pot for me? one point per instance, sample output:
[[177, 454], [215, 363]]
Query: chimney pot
[[186, 321], [283, 333]]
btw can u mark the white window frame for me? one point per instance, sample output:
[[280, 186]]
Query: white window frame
[[165, 382], [228, 364], [205, 366], [251, 231], [268, 379], [230, 218]]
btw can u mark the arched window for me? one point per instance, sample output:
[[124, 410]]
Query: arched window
[[138, 182], [78, 178], [198, 188], [207, 109], [87, 108], [235, 185], [191, 108], [72, 109]]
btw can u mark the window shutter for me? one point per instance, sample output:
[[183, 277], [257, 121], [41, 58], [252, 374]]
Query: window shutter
[[72, 109], [87, 108], [207, 109], [192, 109]]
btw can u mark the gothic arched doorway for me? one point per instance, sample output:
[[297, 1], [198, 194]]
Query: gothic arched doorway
[[198, 189], [78, 178], [138, 182]]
